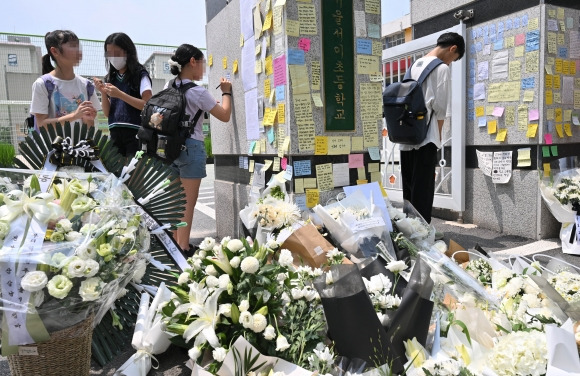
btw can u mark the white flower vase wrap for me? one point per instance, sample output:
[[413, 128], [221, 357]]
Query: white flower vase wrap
[[148, 339]]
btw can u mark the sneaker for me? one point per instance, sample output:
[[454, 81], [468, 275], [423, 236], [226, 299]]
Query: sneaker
[[190, 252], [438, 235]]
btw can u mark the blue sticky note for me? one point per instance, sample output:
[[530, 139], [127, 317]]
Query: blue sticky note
[[498, 45], [374, 153], [500, 35], [470, 115], [295, 56], [532, 40], [563, 52], [251, 149], [508, 25], [470, 103], [500, 27], [472, 50], [471, 63], [470, 92], [280, 92], [528, 83], [472, 73], [473, 34], [271, 136], [374, 30], [302, 168], [364, 46], [516, 23], [479, 32], [551, 126], [492, 38], [485, 31], [492, 29], [478, 47], [481, 121], [300, 201], [486, 40], [524, 20], [472, 80]]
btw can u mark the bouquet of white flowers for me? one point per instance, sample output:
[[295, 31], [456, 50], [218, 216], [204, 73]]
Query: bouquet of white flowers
[[67, 253]]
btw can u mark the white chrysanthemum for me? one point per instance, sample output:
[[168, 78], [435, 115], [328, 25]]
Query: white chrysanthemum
[[250, 265], [212, 281], [270, 333], [235, 262], [325, 355], [183, 278], [71, 236], [34, 281], [334, 253], [219, 354], [285, 259], [225, 241], [207, 244], [296, 293], [520, 353], [64, 225], [396, 266], [281, 277], [235, 245], [223, 281], [259, 323], [246, 319], [309, 293]]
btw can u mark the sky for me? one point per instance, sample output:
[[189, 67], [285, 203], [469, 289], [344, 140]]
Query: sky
[[169, 22]]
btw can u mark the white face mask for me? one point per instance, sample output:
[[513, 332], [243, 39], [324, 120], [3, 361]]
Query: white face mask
[[119, 62]]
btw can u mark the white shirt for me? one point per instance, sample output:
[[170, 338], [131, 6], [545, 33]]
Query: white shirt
[[66, 97], [436, 92]]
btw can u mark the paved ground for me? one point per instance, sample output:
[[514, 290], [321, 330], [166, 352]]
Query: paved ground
[[172, 362]]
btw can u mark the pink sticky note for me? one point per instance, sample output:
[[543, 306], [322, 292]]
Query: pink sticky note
[[284, 163], [356, 160], [498, 111], [533, 115], [280, 70], [304, 44], [520, 39], [548, 138]]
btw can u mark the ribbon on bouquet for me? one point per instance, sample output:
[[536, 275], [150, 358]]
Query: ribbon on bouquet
[[64, 152]]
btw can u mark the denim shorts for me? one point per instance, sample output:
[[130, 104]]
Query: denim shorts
[[191, 162]]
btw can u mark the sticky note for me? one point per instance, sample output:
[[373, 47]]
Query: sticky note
[[479, 111], [225, 62], [491, 126], [554, 150], [361, 173], [533, 115], [532, 129], [548, 138], [235, 66], [355, 160], [547, 170], [559, 130], [501, 135], [568, 130], [545, 151], [498, 111], [374, 153], [251, 167], [298, 185], [524, 159], [320, 145], [312, 197]]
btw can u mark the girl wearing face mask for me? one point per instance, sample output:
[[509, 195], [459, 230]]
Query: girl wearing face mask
[[60, 95], [188, 64], [126, 89]]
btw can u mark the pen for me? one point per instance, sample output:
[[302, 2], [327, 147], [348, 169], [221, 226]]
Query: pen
[[217, 87]]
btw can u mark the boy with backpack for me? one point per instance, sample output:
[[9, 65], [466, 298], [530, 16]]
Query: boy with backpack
[[418, 161]]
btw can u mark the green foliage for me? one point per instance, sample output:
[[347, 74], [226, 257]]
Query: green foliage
[[6, 155], [207, 143]]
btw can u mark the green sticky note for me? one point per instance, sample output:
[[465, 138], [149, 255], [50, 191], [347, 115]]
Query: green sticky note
[[554, 150], [545, 151]]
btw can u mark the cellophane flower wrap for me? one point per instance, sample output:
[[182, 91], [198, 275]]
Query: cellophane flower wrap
[[409, 225], [67, 252], [234, 289]]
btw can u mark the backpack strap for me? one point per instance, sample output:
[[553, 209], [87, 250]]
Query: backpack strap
[[48, 84], [182, 89], [428, 69]]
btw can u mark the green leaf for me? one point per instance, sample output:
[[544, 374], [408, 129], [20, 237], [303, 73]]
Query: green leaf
[[235, 312]]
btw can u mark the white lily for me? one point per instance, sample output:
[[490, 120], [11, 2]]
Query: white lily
[[39, 206], [207, 317], [197, 297]]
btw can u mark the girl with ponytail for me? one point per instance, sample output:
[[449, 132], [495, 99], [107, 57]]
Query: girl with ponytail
[[60, 95], [188, 64]]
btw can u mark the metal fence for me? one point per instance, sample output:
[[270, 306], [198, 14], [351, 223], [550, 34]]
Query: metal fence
[[20, 66]]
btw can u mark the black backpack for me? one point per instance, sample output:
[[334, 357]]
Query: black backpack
[[164, 124], [404, 108]]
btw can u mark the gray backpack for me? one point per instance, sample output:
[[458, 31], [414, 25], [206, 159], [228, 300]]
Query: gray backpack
[[404, 108]]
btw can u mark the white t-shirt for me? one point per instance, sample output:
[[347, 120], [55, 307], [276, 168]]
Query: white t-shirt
[[436, 92], [197, 98], [144, 85], [66, 97]]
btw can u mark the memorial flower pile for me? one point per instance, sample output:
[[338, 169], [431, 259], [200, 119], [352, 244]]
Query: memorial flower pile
[[68, 251]]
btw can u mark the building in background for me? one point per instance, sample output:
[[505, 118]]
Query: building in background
[[395, 33]]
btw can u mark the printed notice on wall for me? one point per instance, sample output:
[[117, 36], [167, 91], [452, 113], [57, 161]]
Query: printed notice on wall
[[502, 167], [484, 161]]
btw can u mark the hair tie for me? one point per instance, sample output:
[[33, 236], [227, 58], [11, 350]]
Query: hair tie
[[173, 63]]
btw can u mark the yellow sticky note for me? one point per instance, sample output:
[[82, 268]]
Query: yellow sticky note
[[225, 62], [549, 97], [338, 145], [548, 81], [263, 145], [528, 95], [258, 67], [489, 110], [519, 51], [559, 130], [258, 49], [320, 145], [281, 113], [235, 66], [267, 21], [479, 111], [251, 166], [491, 126], [533, 24], [298, 185], [324, 177], [210, 60], [257, 148], [558, 67], [276, 166], [501, 134], [356, 144], [547, 170], [293, 28], [268, 67], [558, 113], [532, 129], [568, 129], [572, 68], [360, 182], [310, 183], [550, 114], [361, 173], [312, 197], [267, 87], [317, 100]]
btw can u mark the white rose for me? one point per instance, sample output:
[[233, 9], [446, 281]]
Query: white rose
[[285, 258], [269, 333], [59, 286], [235, 245], [75, 268], [219, 354], [91, 268], [250, 265], [235, 262], [224, 280], [183, 278], [396, 266], [194, 353], [296, 293], [246, 320], [281, 343], [91, 289], [281, 277], [85, 252], [259, 322], [71, 236], [64, 225], [244, 305], [210, 270], [34, 281], [207, 244], [225, 309], [212, 281], [82, 204]]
